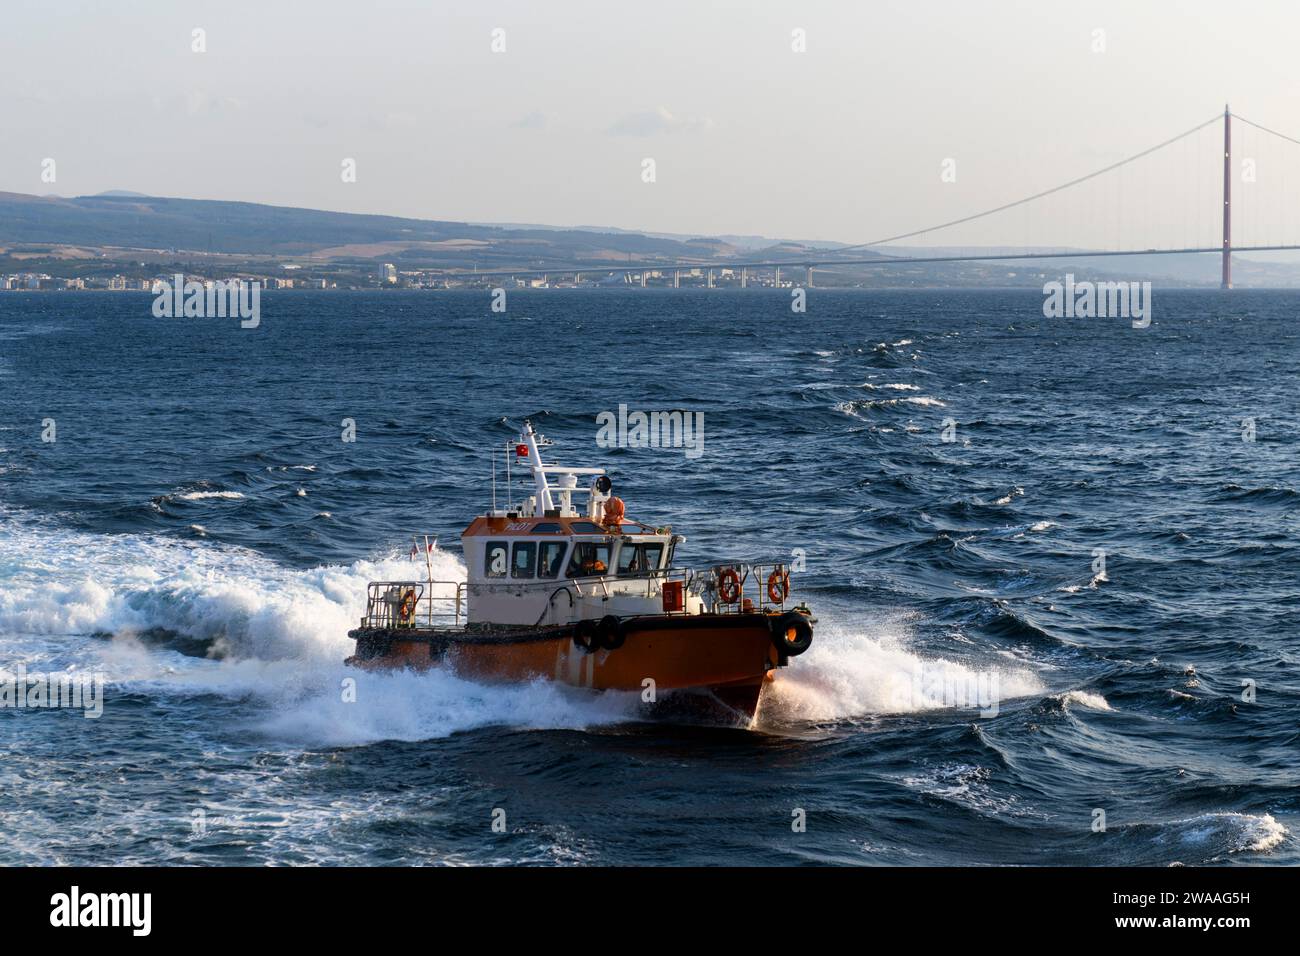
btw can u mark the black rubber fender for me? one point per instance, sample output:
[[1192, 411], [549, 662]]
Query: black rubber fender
[[611, 633], [586, 635], [792, 633]]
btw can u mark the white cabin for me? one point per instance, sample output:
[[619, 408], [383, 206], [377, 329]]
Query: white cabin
[[544, 561]]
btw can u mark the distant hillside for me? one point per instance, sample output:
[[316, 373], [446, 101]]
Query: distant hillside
[[124, 232], [742, 243], [241, 228]]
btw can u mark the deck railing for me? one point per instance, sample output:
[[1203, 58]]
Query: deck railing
[[411, 604], [649, 583], [745, 582], [749, 588], [664, 583]]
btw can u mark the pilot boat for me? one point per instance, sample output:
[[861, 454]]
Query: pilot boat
[[589, 598]]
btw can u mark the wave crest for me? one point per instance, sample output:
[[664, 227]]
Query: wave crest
[[862, 670]]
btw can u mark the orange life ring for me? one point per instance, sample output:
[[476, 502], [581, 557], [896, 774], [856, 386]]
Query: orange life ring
[[778, 585], [729, 586], [407, 609]]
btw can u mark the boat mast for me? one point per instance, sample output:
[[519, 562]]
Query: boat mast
[[544, 503]]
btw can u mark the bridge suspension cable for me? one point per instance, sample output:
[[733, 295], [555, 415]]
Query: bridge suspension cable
[[1238, 116], [1039, 195], [1250, 212]]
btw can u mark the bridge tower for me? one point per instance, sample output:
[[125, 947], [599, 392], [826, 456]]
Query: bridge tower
[[1227, 199]]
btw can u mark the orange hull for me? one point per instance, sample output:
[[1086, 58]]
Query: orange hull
[[731, 656]]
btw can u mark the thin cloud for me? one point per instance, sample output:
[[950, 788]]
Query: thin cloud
[[658, 120], [532, 120]]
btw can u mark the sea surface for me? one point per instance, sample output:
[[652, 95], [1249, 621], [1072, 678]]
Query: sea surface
[[1097, 541]]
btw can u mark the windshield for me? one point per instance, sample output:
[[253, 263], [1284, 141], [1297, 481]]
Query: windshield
[[589, 557]]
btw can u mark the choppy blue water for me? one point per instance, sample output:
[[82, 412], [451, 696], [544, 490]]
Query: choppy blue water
[[199, 534]]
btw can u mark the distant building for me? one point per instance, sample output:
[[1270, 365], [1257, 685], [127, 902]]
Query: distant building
[[117, 283], [388, 274]]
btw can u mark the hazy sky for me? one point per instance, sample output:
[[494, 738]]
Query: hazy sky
[[845, 141]]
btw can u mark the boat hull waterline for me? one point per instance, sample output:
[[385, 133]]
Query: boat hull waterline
[[730, 656]]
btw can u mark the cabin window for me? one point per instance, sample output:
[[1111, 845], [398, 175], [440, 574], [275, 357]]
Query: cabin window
[[525, 559], [654, 555], [547, 527], [630, 559], [589, 557], [551, 559], [640, 558], [496, 558], [586, 527]]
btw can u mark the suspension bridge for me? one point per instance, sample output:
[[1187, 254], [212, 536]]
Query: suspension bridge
[[1167, 199]]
